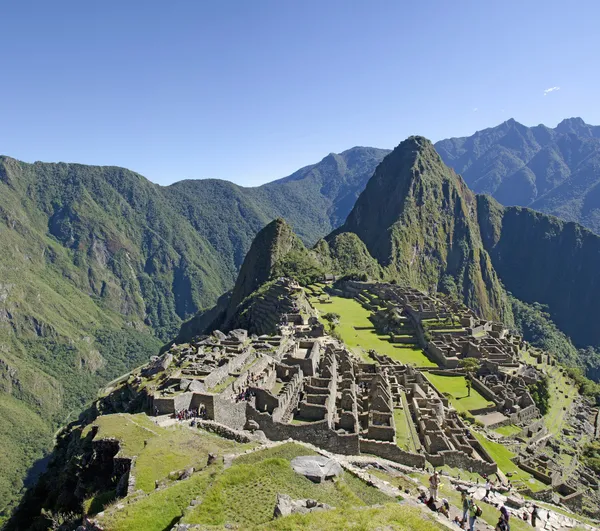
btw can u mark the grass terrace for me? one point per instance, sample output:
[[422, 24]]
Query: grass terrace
[[392, 517], [502, 456], [159, 451], [403, 433], [508, 431], [245, 494], [456, 388], [357, 331]]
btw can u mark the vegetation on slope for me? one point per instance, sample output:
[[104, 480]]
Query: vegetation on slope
[[415, 218], [550, 170], [99, 266]]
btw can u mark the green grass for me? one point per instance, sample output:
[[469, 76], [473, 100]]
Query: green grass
[[562, 395], [161, 509], [502, 456], [403, 433], [352, 315], [160, 451], [508, 430], [282, 451], [246, 492], [392, 517], [456, 388]]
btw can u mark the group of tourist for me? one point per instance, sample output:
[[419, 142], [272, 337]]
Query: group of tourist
[[470, 510], [246, 395], [188, 414]]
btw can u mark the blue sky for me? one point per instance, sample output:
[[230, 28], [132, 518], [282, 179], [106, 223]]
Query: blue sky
[[252, 90]]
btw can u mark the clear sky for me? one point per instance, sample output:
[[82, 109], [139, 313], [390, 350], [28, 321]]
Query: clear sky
[[251, 90]]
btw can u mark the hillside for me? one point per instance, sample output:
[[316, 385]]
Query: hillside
[[100, 266], [239, 431], [416, 217], [427, 229], [556, 171]]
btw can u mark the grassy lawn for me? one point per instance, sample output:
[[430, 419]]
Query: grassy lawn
[[456, 387], [503, 456], [562, 395], [159, 451], [403, 434], [352, 315], [161, 509], [392, 517], [246, 493], [508, 430]]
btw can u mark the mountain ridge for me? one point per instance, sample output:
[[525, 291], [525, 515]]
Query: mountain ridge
[[553, 170]]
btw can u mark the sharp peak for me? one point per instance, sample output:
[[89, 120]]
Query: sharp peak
[[415, 143]]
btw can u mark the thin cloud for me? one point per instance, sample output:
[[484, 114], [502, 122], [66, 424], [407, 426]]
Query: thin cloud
[[475, 109], [551, 89]]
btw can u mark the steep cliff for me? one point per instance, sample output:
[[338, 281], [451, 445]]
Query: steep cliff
[[418, 219]]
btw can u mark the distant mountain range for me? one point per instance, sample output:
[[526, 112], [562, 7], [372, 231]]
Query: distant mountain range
[[99, 266], [417, 223], [556, 171]]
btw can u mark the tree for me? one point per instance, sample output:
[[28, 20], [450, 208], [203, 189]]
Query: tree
[[469, 366], [333, 318]]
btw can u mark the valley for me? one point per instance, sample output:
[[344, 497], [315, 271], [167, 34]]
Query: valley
[[113, 286]]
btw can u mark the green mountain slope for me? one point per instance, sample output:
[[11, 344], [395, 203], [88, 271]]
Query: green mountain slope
[[416, 217], [543, 259], [556, 171], [99, 267]]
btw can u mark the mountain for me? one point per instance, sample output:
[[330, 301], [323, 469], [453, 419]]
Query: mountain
[[555, 171], [99, 267], [418, 219]]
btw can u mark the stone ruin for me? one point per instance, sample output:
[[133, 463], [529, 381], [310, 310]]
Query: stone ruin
[[302, 384]]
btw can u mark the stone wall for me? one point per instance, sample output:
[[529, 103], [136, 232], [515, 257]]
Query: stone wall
[[167, 405], [485, 391], [391, 451], [223, 431], [525, 414], [457, 459], [317, 433], [230, 413]]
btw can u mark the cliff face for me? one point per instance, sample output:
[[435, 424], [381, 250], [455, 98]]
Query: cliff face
[[418, 219], [543, 259], [269, 247]]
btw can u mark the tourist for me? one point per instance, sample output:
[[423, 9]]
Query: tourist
[[422, 497], [434, 483], [488, 488], [534, 515], [466, 505], [503, 524], [444, 508], [431, 504], [474, 513]]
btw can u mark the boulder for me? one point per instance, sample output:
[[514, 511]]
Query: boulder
[[252, 425], [316, 467], [239, 334], [219, 335], [187, 473], [515, 501], [285, 506]]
